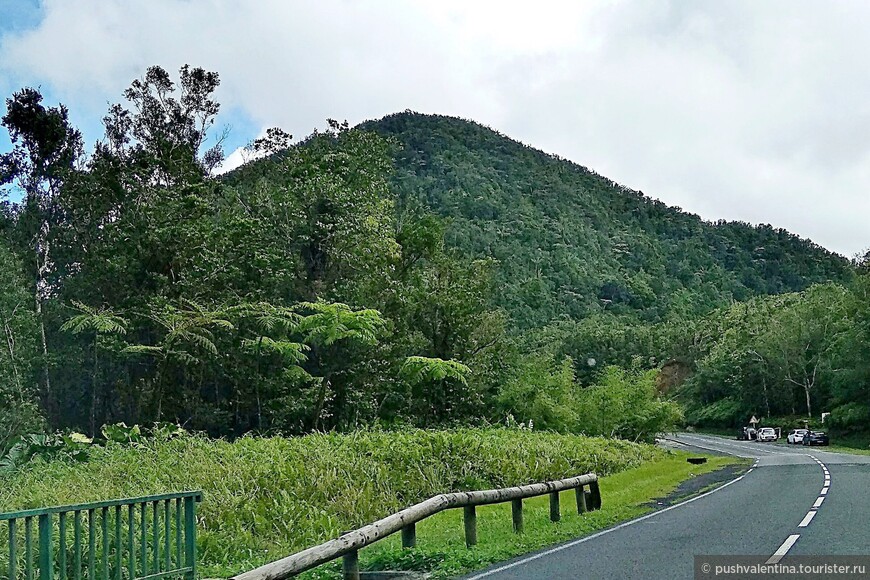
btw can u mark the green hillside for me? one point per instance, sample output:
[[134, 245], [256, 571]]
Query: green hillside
[[570, 242]]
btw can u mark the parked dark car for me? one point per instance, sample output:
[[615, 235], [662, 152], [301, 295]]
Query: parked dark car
[[816, 438], [746, 434]]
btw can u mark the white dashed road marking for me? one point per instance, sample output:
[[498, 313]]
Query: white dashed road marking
[[783, 550], [790, 541]]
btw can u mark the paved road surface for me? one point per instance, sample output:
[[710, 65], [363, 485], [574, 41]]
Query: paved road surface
[[795, 500]]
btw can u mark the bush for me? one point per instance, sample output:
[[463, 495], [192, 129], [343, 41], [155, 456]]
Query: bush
[[17, 419], [852, 417], [626, 404], [544, 392]]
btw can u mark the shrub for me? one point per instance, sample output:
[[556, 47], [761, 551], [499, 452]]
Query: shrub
[[625, 404]]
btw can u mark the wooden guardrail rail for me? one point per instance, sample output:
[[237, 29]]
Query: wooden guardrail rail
[[348, 544]]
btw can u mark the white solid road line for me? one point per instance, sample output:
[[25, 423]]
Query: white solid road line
[[807, 519], [783, 550], [720, 441], [599, 534], [716, 449]]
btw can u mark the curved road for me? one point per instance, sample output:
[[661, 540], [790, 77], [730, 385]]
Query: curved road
[[795, 500]]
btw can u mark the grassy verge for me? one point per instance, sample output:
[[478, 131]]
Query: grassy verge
[[269, 497], [441, 545]]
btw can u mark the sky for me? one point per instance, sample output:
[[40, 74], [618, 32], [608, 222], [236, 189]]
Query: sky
[[737, 110]]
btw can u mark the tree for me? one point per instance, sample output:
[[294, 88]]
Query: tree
[[19, 413], [437, 378], [45, 151], [101, 323], [186, 339], [804, 336], [161, 139], [325, 326], [272, 326]]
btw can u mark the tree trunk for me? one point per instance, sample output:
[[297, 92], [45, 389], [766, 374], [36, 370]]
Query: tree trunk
[[10, 345], [46, 376], [43, 259], [94, 391], [257, 379], [321, 401], [809, 408]]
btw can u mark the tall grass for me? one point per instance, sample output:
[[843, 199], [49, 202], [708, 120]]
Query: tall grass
[[269, 497]]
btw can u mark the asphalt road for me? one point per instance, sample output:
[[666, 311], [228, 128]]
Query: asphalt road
[[795, 500]]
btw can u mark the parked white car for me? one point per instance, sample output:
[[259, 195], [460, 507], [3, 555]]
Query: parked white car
[[766, 434], [796, 436]]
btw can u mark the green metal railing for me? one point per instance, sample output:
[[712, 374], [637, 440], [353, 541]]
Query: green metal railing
[[126, 539]]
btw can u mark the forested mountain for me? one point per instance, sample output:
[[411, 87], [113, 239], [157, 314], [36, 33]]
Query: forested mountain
[[417, 270], [570, 242]]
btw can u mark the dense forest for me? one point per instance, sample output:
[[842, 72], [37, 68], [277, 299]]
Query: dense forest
[[413, 271]]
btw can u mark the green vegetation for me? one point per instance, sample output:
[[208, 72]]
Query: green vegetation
[[269, 497], [306, 291], [786, 359], [412, 272]]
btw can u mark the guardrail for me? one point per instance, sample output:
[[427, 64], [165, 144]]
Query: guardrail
[[347, 546], [138, 538]]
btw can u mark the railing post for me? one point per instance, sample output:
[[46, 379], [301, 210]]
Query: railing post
[[13, 550], [517, 514], [581, 499], [190, 536], [350, 565], [596, 495], [409, 536], [555, 514], [470, 517], [46, 558]]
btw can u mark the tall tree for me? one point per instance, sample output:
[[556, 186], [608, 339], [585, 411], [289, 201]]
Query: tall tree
[[46, 149], [99, 323], [19, 412]]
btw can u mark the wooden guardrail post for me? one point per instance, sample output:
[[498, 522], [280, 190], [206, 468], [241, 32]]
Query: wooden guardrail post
[[517, 514], [350, 565], [596, 495], [580, 495], [347, 545], [470, 517], [555, 513], [409, 536]]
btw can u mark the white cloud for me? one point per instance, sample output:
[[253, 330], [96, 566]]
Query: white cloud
[[740, 110]]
